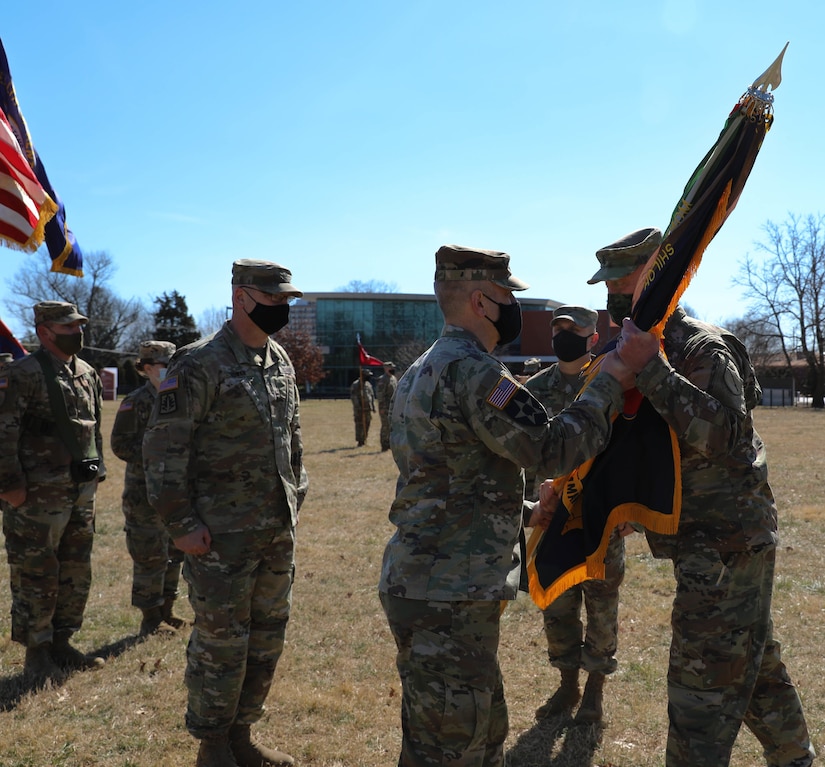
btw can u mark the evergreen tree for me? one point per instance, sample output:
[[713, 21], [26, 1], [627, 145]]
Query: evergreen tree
[[173, 322]]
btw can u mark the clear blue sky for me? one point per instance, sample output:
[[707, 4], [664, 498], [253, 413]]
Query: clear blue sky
[[349, 140]]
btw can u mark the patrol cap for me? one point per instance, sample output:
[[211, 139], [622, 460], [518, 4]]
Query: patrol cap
[[390, 365], [533, 365], [455, 262], [59, 312], [625, 255], [580, 316], [6, 357], [154, 352], [265, 276]]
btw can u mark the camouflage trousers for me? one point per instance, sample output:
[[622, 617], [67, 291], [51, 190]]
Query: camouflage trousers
[[385, 428], [241, 594], [156, 562], [569, 644], [725, 666], [49, 546], [362, 424], [452, 706]]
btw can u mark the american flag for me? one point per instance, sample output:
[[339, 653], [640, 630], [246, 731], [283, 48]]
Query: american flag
[[24, 205], [503, 393], [63, 248]]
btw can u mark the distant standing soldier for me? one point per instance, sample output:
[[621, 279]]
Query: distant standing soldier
[[571, 646], [362, 396], [51, 459], [156, 560], [224, 469], [385, 391]]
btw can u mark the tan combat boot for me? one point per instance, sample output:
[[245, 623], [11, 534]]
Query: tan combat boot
[[40, 667], [71, 659], [214, 751], [152, 618], [168, 618], [590, 711], [249, 753], [565, 698]]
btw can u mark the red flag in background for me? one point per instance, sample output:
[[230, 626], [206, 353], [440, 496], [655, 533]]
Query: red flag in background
[[363, 357], [9, 344]]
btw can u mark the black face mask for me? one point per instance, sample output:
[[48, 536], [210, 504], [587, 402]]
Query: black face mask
[[619, 306], [508, 323], [69, 344], [269, 318], [569, 346]]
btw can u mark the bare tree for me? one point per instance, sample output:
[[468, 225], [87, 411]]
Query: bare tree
[[110, 317], [786, 291], [212, 319], [369, 286]]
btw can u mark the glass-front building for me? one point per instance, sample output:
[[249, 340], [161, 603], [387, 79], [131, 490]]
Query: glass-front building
[[391, 326]]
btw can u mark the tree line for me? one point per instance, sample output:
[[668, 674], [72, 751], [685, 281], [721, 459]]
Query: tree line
[[117, 325], [785, 291], [783, 284]]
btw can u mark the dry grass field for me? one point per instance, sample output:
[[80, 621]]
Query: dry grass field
[[335, 702]]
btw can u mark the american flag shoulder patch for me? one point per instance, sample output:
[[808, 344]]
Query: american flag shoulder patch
[[4, 383], [169, 384], [125, 406], [503, 392]]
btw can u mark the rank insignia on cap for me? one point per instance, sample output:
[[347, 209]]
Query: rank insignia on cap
[[503, 393]]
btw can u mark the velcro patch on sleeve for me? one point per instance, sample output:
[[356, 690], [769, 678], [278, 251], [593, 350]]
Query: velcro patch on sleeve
[[168, 384], [502, 393], [167, 402], [517, 403], [126, 406]]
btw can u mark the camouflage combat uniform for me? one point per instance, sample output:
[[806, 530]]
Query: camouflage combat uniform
[[156, 561], [362, 397], [223, 448], [562, 622], [462, 430], [385, 391], [725, 665], [48, 537]]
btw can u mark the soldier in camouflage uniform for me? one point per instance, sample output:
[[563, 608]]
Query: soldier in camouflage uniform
[[224, 469], [362, 396], [49, 493], [462, 428], [725, 666], [569, 646], [156, 560], [384, 392]]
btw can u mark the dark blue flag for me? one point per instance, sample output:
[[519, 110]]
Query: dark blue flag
[[63, 248]]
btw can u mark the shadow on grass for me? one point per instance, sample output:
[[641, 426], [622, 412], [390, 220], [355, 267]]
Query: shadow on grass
[[556, 742], [14, 688]]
